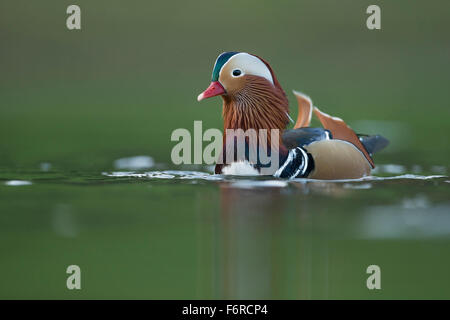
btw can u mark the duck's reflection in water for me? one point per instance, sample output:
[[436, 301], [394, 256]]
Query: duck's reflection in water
[[264, 247]]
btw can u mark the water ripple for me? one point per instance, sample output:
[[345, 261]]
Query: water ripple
[[167, 174], [252, 182]]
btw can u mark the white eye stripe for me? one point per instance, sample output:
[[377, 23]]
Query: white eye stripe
[[248, 64]]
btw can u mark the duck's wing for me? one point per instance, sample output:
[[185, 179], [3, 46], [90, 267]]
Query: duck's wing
[[341, 131], [305, 108], [304, 136]]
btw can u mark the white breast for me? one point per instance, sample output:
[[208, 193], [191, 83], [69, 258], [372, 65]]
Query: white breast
[[241, 168]]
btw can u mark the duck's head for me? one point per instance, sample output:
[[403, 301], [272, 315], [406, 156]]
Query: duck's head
[[252, 96]]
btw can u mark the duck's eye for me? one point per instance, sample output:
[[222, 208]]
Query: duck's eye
[[236, 72]]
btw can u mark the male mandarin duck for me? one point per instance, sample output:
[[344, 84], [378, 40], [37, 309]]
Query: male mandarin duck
[[253, 99]]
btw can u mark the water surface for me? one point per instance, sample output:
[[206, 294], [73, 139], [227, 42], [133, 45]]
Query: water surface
[[165, 233]]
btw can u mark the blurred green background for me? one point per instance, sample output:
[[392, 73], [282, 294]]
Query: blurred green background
[[132, 74], [81, 99]]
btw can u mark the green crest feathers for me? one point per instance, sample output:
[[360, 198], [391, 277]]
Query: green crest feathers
[[221, 60]]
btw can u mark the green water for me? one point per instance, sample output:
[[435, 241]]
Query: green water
[[178, 234], [73, 102]]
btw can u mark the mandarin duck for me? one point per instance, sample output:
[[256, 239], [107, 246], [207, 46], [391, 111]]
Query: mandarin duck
[[254, 99]]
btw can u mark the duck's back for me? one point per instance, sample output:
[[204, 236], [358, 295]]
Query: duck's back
[[337, 159]]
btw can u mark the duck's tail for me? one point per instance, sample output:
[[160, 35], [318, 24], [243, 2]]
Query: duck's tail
[[305, 108], [373, 143], [368, 145], [341, 131]]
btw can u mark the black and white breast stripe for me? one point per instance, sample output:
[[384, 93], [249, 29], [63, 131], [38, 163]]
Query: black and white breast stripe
[[298, 164]]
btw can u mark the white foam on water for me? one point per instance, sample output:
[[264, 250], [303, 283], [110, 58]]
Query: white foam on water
[[348, 183], [361, 183], [168, 174], [193, 175], [124, 174], [373, 178], [131, 174], [407, 176], [16, 183]]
